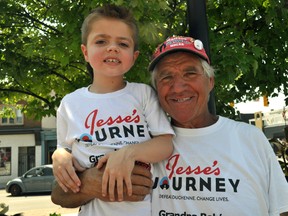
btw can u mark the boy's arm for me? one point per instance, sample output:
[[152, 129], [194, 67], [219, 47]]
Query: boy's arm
[[91, 188], [120, 164], [152, 151]]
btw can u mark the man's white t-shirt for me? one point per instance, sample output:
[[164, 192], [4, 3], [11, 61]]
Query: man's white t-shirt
[[93, 124], [227, 169]]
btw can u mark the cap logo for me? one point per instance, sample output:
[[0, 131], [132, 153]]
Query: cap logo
[[173, 42], [162, 47]]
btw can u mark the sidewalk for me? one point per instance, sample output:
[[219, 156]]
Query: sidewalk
[[47, 212]]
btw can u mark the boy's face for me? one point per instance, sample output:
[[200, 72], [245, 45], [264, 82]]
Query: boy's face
[[110, 48]]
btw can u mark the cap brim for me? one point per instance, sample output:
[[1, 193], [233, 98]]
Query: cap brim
[[162, 55]]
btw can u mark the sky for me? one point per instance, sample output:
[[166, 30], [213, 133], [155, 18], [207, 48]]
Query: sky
[[275, 103]]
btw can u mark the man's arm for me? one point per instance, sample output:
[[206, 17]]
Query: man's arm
[[91, 188]]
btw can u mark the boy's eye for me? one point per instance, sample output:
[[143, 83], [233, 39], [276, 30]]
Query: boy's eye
[[124, 44], [100, 42]]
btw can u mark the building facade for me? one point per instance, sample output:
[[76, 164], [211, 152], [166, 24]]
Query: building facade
[[24, 143]]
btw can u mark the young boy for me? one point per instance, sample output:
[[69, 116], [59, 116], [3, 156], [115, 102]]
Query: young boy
[[110, 114]]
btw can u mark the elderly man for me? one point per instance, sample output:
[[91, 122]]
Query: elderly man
[[219, 166]]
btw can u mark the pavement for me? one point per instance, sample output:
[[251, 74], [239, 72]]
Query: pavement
[[44, 212], [47, 212], [61, 211]]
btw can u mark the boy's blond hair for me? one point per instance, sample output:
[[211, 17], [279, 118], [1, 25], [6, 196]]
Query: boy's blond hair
[[110, 12]]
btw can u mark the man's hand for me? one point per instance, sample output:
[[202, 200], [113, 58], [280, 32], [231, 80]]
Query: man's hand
[[141, 183], [91, 188]]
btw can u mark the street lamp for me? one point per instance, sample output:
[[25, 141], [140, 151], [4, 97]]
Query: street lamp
[[198, 29]]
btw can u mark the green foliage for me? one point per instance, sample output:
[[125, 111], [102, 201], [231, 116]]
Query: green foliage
[[3, 208], [54, 214], [41, 60]]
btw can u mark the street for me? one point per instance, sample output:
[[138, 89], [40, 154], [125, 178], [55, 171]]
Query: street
[[33, 205]]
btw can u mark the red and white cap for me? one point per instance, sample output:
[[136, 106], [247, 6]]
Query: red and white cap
[[178, 43]]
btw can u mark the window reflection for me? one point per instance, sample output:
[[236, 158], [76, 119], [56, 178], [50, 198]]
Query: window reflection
[[5, 161]]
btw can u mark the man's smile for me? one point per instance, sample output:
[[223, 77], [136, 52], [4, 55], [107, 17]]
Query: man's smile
[[181, 100]]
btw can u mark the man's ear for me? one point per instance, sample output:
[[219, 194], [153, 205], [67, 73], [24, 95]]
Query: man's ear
[[212, 82]]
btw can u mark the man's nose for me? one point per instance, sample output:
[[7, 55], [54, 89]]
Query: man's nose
[[178, 83]]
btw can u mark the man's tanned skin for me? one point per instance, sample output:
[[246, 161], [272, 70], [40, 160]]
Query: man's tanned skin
[[141, 182]]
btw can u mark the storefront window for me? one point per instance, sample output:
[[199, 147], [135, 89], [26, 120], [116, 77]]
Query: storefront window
[[5, 161], [10, 115]]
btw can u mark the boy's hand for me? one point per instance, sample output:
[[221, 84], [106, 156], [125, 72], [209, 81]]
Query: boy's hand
[[64, 171], [118, 171]]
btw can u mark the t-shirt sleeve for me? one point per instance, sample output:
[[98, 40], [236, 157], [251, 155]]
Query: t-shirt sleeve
[[157, 119], [61, 128]]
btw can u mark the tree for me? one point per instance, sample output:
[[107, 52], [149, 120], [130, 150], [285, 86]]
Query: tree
[[41, 60], [249, 48]]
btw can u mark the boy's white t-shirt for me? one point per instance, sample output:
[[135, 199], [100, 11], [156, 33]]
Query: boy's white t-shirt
[[225, 169], [93, 124]]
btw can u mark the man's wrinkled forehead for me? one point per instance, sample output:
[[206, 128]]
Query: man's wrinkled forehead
[[179, 59]]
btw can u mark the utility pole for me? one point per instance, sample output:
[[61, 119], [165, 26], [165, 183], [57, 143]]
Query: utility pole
[[198, 29]]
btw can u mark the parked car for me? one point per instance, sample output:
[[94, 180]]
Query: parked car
[[37, 179]]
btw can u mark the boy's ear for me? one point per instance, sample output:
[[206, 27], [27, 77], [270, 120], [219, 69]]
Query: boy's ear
[[136, 54], [84, 51]]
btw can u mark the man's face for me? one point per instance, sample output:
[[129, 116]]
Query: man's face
[[183, 89]]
